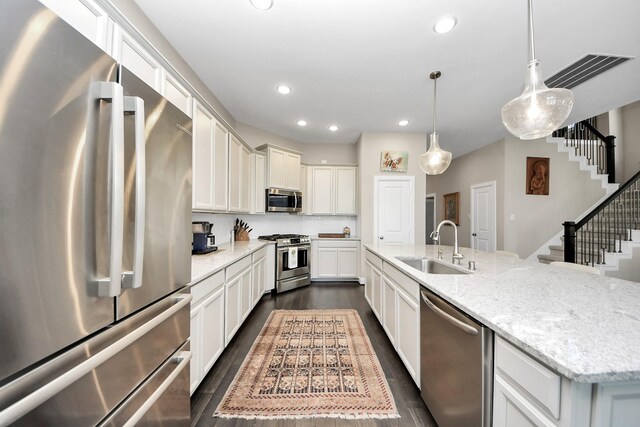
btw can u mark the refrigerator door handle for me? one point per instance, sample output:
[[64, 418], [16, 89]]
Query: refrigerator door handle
[[113, 93], [135, 105], [33, 400], [182, 360]]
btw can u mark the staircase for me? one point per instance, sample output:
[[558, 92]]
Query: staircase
[[607, 233]]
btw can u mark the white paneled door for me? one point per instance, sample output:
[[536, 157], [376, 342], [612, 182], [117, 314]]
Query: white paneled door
[[483, 216], [394, 204]]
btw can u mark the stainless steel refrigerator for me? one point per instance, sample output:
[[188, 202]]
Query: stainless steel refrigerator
[[95, 220]]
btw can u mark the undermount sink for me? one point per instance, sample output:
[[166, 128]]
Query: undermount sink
[[430, 266]]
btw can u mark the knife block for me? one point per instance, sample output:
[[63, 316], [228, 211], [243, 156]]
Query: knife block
[[241, 235]]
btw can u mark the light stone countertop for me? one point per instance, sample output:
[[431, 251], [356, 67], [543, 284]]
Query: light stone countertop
[[352, 237], [584, 326], [203, 266]]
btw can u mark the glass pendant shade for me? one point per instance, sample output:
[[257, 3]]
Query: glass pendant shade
[[538, 111], [436, 160]]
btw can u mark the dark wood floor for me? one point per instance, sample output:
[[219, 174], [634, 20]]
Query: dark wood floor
[[206, 398]]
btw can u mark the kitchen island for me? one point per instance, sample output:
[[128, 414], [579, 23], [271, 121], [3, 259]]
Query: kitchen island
[[584, 327]]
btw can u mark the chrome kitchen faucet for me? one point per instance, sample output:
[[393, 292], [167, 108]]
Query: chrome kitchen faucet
[[435, 236]]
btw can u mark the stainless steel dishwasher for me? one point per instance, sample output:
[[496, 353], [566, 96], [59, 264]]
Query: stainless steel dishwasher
[[456, 364]]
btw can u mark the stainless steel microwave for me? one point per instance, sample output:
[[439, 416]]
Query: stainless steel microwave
[[277, 200]]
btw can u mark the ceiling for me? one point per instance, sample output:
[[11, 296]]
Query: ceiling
[[364, 64]]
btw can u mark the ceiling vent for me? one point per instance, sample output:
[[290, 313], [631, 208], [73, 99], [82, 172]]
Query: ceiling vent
[[585, 68]]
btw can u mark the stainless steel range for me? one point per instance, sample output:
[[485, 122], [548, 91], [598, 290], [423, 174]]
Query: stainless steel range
[[292, 260]]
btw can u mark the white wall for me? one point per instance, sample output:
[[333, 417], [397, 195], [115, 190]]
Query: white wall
[[282, 223], [482, 165], [631, 138], [311, 153], [628, 269], [369, 147], [538, 218]]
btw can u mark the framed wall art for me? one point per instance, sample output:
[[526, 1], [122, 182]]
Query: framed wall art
[[537, 182], [452, 207], [394, 161]]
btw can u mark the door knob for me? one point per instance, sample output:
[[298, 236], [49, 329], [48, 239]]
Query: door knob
[[474, 234], [381, 237]]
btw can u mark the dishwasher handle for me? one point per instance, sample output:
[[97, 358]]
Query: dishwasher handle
[[455, 322]]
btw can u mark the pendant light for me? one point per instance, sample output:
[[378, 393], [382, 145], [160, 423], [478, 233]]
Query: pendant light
[[435, 160], [538, 111]]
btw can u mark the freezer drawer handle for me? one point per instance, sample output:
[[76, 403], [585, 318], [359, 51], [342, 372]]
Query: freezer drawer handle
[[113, 93], [135, 105], [182, 359], [35, 399], [455, 322]]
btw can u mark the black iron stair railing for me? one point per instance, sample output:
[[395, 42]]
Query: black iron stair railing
[[589, 142], [605, 227]]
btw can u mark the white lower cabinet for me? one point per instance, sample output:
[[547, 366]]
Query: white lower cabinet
[[220, 304], [207, 326], [246, 294], [389, 309], [213, 333], [232, 313], [259, 276], [408, 336], [511, 409], [335, 259]]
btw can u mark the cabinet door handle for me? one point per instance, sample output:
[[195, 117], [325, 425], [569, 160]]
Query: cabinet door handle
[[381, 237]]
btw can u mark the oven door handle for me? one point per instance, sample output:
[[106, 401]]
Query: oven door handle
[[301, 247]]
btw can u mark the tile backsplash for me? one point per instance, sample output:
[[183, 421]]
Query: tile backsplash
[[282, 223]]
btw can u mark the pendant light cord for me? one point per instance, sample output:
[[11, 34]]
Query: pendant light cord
[[434, 104], [532, 48]]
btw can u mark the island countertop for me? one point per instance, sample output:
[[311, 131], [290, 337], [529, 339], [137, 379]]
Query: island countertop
[[586, 327]]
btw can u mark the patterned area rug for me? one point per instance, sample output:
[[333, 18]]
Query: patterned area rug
[[310, 364]]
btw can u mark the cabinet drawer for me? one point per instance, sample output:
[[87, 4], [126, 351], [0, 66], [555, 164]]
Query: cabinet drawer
[[410, 286], [238, 266], [201, 289], [338, 243], [260, 253], [537, 380], [373, 259]]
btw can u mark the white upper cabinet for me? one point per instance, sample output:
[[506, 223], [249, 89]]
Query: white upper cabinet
[[258, 163], [333, 190], [235, 172], [283, 168], [239, 176], [136, 59], [245, 179], [276, 167], [220, 167], [346, 190], [177, 94], [305, 190], [203, 152], [292, 171], [322, 193], [85, 16]]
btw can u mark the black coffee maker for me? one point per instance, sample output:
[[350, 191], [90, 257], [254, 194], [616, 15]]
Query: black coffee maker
[[203, 241]]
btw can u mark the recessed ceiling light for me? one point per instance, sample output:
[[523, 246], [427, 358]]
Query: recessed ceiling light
[[403, 122], [301, 122], [284, 89], [261, 4], [333, 128], [444, 24]]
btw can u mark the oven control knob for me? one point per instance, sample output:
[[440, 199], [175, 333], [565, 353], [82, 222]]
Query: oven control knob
[[285, 242]]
